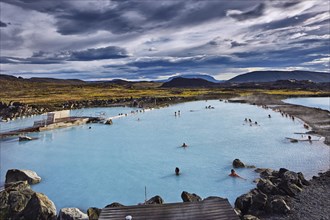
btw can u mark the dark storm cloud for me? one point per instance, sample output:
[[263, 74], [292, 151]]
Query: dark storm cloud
[[254, 13], [179, 62], [74, 20], [77, 22], [237, 44], [281, 58], [293, 56], [154, 67], [3, 24], [44, 57], [286, 4], [310, 41], [182, 35], [151, 14], [111, 52], [30, 60]]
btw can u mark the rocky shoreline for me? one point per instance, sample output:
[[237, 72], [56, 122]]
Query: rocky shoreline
[[13, 110], [279, 195], [312, 203], [316, 119], [19, 201]]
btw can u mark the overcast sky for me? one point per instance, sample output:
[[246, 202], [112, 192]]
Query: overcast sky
[[151, 40]]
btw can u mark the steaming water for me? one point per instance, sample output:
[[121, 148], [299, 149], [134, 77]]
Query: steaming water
[[315, 102], [82, 167]]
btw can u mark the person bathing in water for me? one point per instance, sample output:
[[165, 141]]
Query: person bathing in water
[[234, 174], [184, 145], [177, 171]]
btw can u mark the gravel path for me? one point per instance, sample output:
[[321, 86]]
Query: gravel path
[[313, 203]]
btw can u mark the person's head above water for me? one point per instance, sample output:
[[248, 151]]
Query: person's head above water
[[177, 170]]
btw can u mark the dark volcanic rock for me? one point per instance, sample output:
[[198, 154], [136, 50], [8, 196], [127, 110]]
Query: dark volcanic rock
[[279, 206], [14, 110], [267, 187], [274, 193], [93, 213], [15, 175], [155, 200], [289, 189], [114, 204], [237, 163], [303, 180], [188, 197], [39, 207], [266, 173], [14, 199], [312, 203], [258, 202], [243, 202], [19, 201], [253, 202]]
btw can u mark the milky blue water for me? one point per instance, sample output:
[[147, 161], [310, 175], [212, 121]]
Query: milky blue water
[[315, 102], [82, 167]]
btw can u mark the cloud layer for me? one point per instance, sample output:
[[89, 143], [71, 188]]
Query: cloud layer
[[152, 40]]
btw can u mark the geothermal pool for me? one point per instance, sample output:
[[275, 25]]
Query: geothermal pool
[[82, 167], [315, 102]]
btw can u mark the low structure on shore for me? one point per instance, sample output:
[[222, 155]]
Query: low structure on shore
[[57, 119], [210, 208]]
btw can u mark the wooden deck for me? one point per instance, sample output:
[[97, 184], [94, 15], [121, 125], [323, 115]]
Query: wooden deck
[[209, 209]]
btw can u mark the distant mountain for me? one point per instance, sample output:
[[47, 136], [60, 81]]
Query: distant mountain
[[194, 76], [181, 82], [272, 76], [7, 77], [53, 80], [10, 78]]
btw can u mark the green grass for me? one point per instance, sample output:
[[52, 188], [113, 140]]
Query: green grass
[[50, 93]]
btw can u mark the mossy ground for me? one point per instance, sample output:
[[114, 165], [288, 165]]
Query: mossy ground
[[42, 93]]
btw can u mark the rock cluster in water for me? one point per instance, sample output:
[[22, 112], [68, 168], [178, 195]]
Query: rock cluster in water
[[273, 193], [237, 163], [15, 175], [19, 201]]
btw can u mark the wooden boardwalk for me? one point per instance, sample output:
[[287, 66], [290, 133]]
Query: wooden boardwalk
[[209, 209]]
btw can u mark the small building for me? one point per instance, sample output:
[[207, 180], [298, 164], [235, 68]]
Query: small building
[[52, 117]]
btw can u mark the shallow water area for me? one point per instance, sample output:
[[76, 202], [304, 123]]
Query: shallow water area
[[82, 167], [314, 102]]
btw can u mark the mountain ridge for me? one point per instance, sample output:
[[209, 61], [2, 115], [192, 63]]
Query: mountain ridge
[[272, 76]]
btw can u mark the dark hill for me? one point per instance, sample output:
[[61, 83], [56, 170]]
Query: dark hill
[[195, 76], [53, 80], [272, 76], [180, 82], [9, 78]]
